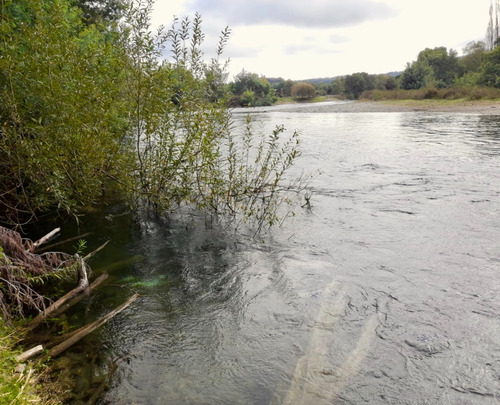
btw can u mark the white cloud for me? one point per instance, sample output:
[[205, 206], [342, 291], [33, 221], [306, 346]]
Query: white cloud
[[296, 13], [300, 39]]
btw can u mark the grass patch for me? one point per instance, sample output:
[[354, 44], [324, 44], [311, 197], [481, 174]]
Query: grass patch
[[33, 382], [16, 388], [291, 100]]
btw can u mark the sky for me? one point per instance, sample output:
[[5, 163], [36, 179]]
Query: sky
[[305, 39]]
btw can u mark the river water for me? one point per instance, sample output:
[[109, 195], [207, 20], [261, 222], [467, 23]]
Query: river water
[[385, 291]]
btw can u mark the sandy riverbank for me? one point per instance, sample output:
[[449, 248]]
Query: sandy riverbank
[[463, 107]]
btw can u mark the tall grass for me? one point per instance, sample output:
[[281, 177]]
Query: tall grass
[[16, 388]]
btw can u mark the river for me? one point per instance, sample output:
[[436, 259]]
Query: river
[[385, 291]]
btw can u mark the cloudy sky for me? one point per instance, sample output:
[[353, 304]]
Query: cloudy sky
[[302, 39]]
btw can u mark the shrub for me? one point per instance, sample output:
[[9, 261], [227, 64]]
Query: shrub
[[303, 90], [83, 107]]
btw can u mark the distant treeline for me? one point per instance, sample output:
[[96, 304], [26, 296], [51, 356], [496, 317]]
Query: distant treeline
[[434, 71], [437, 73]]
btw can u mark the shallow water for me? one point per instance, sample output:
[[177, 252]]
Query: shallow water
[[387, 291]]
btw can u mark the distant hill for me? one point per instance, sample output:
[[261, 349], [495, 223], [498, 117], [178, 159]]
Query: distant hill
[[394, 74], [326, 80]]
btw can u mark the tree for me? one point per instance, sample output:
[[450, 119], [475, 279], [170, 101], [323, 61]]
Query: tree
[[414, 76], [493, 30], [85, 109], [303, 90], [263, 93], [443, 63], [391, 83], [62, 131], [284, 87], [97, 11], [473, 56], [489, 72], [337, 86], [357, 83], [433, 68]]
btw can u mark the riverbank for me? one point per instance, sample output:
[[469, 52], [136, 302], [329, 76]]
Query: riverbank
[[487, 107]]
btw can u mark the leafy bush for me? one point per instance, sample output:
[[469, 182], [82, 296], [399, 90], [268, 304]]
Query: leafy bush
[[62, 121], [85, 106], [303, 91], [250, 90]]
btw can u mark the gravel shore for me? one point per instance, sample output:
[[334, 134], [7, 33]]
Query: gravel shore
[[465, 107]]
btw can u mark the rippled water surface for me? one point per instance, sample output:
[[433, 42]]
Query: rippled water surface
[[386, 292]]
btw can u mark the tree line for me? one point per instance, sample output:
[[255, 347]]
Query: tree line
[[434, 70]]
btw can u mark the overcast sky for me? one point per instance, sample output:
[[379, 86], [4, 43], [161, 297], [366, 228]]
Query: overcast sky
[[302, 39]]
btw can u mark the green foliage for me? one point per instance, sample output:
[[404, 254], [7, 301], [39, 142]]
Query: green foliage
[[489, 72], [433, 68], [61, 123], [14, 388], [247, 99], [356, 83], [303, 90], [101, 11], [473, 56], [89, 105], [352, 86], [183, 136], [337, 86], [186, 152], [81, 247], [250, 90], [284, 88]]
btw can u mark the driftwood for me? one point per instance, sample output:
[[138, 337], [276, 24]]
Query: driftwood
[[95, 251], [82, 332], [83, 279], [70, 339], [62, 242], [29, 353], [45, 238], [66, 301]]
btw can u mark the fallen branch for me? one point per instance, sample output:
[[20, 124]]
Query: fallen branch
[[82, 332], [28, 354], [95, 251], [45, 238], [62, 242], [83, 279], [65, 302]]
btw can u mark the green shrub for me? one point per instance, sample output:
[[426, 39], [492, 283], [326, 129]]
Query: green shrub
[[84, 107], [303, 91]]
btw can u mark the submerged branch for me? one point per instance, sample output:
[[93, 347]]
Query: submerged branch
[[65, 302], [90, 328]]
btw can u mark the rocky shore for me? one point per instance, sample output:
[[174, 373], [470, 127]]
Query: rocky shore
[[462, 107]]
